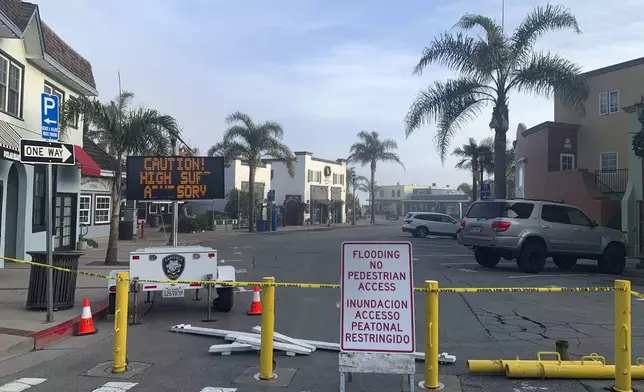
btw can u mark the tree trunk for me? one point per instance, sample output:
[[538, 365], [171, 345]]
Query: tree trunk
[[499, 164], [373, 193], [473, 184], [251, 196], [111, 256], [500, 124]]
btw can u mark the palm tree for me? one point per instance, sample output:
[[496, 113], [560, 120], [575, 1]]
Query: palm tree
[[369, 151], [121, 130], [490, 67], [469, 159], [364, 185], [253, 142]]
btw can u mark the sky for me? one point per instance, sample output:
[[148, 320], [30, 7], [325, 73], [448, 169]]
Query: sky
[[324, 69]]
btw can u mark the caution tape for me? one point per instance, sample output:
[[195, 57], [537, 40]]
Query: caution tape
[[75, 271], [589, 289], [636, 294]]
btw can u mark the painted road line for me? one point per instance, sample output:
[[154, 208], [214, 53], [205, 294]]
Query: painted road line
[[234, 260], [545, 276], [445, 264], [116, 387], [238, 253], [241, 271], [218, 389], [467, 270], [21, 384]]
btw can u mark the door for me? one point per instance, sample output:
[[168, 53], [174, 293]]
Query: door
[[449, 225], [556, 227], [11, 219], [65, 221], [585, 237]]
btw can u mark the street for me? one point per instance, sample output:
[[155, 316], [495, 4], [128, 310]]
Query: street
[[472, 326]]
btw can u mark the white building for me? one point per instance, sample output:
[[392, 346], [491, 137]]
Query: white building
[[236, 175], [316, 192], [33, 60]]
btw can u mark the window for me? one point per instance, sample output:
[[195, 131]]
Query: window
[[341, 179], [447, 219], [309, 176], [381, 193], [490, 210], [603, 104], [272, 174], [335, 179], [393, 193], [566, 161], [154, 208], [608, 161], [609, 102], [102, 209], [613, 101], [11, 73], [84, 210], [554, 214], [576, 217], [314, 176], [39, 192], [398, 193]]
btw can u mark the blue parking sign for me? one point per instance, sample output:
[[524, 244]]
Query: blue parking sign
[[49, 112]]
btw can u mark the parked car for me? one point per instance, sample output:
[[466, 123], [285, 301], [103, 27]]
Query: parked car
[[532, 230], [421, 224]]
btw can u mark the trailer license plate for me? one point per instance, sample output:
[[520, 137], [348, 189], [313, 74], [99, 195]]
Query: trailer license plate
[[475, 230], [172, 292]]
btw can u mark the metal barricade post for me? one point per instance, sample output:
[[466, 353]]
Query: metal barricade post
[[431, 334], [268, 326], [119, 363], [623, 375]]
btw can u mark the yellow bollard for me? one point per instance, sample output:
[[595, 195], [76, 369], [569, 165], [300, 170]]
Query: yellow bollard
[[119, 362], [431, 335], [268, 326], [623, 336]]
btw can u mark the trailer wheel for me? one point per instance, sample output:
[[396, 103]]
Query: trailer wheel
[[224, 302]]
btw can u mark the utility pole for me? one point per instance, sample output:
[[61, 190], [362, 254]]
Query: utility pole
[[353, 189]]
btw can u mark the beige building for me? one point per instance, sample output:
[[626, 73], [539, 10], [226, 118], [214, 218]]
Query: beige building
[[583, 160]]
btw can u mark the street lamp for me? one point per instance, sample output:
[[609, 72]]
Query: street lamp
[[638, 138], [639, 108], [353, 188], [481, 159]]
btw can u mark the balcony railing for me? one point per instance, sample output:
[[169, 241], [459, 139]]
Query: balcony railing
[[612, 182]]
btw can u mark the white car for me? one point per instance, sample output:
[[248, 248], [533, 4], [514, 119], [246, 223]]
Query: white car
[[421, 224]]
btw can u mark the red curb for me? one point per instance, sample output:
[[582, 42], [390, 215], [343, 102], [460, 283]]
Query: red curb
[[65, 329]]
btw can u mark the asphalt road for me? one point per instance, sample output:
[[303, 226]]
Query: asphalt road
[[472, 326]]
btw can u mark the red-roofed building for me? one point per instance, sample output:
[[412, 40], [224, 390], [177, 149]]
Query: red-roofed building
[[35, 60]]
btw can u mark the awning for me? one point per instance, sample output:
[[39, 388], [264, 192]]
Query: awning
[[9, 142], [88, 166]]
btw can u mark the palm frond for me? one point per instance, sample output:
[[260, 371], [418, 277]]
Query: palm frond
[[548, 73], [493, 31], [275, 150], [539, 21], [241, 117], [456, 52], [272, 129], [391, 157], [443, 100]]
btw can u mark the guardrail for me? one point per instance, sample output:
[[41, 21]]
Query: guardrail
[[587, 367], [231, 224], [612, 181]]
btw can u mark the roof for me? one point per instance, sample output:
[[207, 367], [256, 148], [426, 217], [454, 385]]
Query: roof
[[615, 67], [104, 160], [66, 56], [21, 12], [549, 125]]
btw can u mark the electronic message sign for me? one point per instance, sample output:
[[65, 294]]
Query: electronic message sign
[[175, 178]]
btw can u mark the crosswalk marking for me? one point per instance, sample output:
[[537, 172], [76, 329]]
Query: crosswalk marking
[[21, 384], [115, 387], [218, 389]]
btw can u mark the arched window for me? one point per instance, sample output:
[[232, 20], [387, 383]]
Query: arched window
[[393, 193], [398, 193]]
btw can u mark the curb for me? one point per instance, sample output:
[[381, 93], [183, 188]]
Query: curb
[[65, 329]]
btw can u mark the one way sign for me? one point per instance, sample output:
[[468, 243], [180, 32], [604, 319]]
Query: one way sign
[[48, 153]]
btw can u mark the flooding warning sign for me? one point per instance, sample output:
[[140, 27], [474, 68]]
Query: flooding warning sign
[[175, 178], [377, 297]]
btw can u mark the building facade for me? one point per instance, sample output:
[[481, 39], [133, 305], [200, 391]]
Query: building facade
[[316, 194], [236, 173], [398, 200], [33, 60], [583, 160]]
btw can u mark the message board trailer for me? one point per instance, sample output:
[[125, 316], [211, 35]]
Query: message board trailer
[[175, 178]]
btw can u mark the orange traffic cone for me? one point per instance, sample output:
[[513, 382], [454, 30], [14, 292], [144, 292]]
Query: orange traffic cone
[[256, 305], [86, 326]]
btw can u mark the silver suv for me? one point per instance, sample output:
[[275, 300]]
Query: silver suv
[[531, 230]]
